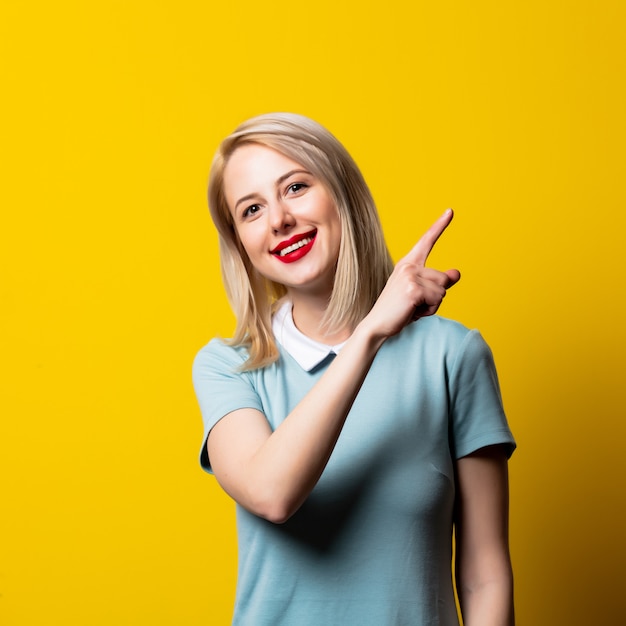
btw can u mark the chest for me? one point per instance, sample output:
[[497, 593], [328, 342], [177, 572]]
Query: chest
[[395, 438]]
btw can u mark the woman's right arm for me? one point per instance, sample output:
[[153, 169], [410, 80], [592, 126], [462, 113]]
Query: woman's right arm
[[271, 473]]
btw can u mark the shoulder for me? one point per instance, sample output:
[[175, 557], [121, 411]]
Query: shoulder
[[453, 334], [441, 328], [219, 352], [435, 333], [436, 339], [219, 361], [219, 381]]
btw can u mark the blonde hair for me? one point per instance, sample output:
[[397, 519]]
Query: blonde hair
[[364, 263]]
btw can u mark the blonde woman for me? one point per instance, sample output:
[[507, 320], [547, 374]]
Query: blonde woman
[[354, 427]]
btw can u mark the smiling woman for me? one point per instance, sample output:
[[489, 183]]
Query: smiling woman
[[283, 215], [363, 264], [354, 428]]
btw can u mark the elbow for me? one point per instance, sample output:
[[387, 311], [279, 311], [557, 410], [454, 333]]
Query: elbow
[[487, 593], [273, 507], [277, 516], [268, 500], [276, 507], [276, 511]]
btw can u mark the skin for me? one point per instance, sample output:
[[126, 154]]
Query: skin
[[271, 473], [483, 567]]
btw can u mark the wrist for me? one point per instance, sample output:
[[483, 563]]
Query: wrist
[[368, 336]]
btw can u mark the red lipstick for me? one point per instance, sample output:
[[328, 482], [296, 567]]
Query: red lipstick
[[295, 247]]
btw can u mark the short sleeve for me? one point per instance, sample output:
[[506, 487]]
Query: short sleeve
[[221, 387], [477, 414]]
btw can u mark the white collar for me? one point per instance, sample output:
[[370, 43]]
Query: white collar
[[307, 352]]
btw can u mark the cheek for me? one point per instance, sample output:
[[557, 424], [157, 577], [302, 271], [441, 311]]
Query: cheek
[[243, 248], [332, 216], [247, 238]]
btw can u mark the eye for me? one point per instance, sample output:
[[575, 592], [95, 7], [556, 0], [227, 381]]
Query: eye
[[296, 187], [251, 210]]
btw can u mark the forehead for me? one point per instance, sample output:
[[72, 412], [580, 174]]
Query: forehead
[[253, 168]]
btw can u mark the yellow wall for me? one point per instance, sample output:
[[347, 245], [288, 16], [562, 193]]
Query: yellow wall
[[511, 112]]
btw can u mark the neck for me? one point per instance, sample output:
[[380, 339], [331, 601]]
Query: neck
[[308, 313]]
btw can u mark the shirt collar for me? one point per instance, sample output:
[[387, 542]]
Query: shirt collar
[[307, 352]]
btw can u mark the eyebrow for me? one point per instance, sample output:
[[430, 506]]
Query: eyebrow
[[279, 180]]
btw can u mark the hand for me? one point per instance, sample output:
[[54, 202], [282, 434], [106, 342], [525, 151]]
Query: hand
[[413, 290]]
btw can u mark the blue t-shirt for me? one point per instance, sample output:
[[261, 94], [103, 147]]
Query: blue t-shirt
[[371, 545]]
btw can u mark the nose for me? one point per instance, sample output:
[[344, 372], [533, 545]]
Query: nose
[[281, 219]]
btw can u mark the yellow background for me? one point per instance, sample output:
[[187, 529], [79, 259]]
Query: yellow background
[[510, 112]]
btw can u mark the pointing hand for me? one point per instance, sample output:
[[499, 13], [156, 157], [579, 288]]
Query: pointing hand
[[413, 290]]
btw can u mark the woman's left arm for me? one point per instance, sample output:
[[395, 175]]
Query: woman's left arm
[[484, 575]]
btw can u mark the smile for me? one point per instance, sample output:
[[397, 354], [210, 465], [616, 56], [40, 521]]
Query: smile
[[295, 248]]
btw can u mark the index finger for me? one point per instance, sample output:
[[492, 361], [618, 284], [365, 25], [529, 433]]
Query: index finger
[[420, 251]]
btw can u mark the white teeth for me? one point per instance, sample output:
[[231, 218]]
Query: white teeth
[[295, 246]]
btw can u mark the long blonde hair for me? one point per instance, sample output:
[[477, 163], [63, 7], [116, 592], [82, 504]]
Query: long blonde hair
[[364, 263]]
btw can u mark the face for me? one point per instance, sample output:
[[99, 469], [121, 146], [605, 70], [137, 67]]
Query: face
[[285, 218]]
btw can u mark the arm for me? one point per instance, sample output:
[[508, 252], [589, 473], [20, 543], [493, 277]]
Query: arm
[[272, 473], [483, 566]]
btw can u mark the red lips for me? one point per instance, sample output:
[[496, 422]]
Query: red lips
[[295, 247]]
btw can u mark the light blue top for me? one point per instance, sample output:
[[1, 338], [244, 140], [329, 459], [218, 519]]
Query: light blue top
[[372, 543]]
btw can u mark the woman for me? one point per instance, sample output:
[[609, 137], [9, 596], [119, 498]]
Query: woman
[[352, 426]]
